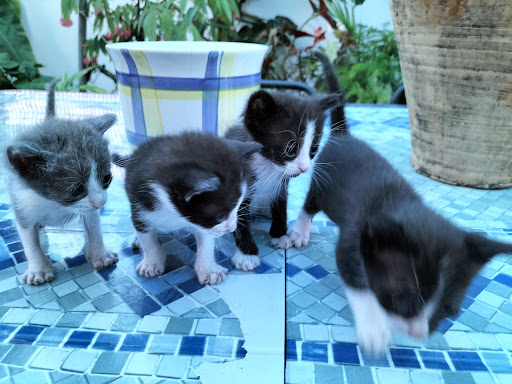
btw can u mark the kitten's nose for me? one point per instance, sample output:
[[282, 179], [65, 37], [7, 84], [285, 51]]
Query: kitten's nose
[[303, 168], [97, 204]]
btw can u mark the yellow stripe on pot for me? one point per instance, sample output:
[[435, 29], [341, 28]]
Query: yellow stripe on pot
[[228, 64], [168, 94], [124, 90]]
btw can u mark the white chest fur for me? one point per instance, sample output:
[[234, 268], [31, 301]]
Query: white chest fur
[[268, 178]]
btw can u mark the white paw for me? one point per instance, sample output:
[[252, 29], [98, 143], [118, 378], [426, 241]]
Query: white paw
[[245, 262], [210, 274], [374, 339], [38, 276], [102, 259], [298, 236], [151, 268], [282, 242]]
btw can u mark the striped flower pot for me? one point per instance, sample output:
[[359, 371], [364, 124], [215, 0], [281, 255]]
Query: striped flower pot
[[170, 87]]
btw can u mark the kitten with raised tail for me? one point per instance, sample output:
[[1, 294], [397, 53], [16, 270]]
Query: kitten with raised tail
[[193, 181], [404, 265], [289, 126], [57, 171]]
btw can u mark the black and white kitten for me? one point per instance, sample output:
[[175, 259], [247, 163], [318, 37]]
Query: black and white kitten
[[59, 170], [403, 264], [289, 126], [190, 180]]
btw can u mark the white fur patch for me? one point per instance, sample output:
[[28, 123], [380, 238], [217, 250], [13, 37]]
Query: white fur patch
[[298, 233], [265, 188], [245, 262], [373, 331], [302, 162], [229, 225]]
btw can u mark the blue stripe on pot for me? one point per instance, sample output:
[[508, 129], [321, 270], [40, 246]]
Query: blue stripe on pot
[[138, 111], [211, 96], [187, 83]]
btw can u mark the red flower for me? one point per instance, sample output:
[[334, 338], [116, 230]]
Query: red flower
[[319, 36], [66, 23], [94, 59], [127, 33], [98, 11], [119, 32], [109, 36], [86, 61], [235, 16]]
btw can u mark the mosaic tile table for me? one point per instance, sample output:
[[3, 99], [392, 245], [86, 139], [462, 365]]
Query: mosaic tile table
[[113, 325], [472, 347]]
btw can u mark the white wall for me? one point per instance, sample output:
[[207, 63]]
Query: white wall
[[56, 47]]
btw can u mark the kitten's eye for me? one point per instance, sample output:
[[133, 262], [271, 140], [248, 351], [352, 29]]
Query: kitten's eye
[[79, 191], [107, 180], [314, 149]]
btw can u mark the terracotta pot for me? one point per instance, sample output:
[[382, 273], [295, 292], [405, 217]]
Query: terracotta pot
[[456, 60]]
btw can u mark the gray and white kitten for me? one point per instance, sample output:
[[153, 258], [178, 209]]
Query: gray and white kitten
[[57, 171]]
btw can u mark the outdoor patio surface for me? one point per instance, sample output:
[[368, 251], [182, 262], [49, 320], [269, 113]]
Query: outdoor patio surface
[[114, 326]]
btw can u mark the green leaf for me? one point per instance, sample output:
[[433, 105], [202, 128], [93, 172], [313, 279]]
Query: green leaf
[[6, 62], [111, 22], [149, 25], [91, 88], [227, 11], [190, 15], [38, 83], [183, 6], [68, 6], [15, 6], [234, 7], [195, 33], [81, 73], [167, 24]]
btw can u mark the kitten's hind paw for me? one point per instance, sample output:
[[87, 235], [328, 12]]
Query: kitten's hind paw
[[100, 260], [299, 237], [210, 274], [374, 340], [245, 262], [38, 277], [148, 268], [283, 242]]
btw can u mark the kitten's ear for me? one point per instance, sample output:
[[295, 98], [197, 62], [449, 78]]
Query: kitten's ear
[[481, 249], [25, 159], [193, 182], [244, 149], [261, 106], [103, 123], [382, 233], [330, 101]]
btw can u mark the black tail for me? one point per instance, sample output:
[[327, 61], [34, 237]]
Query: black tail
[[338, 120], [120, 161], [50, 103]]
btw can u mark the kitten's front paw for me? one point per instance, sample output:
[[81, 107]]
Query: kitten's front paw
[[374, 338], [151, 268], [245, 262], [298, 236], [283, 242], [38, 276], [100, 260], [210, 274]]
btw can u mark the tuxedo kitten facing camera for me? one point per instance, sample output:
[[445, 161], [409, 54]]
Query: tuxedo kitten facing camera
[[404, 265], [190, 180], [57, 171], [289, 126]]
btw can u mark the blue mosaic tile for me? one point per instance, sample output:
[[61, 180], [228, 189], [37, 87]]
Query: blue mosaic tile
[[8, 231], [134, 342], [6, 224], [5, 331], [190, 286], [291, 270], [466, 361], [375, 361], [144, 306], [11, 238], [317, 271], [433, 360], [15, 247], [404, 358], [444, 325], [155, 285], [80, 339], [179, 275], [291, 350], [6, 263], [112, 273], [168, 296], [240, 350], [192, 345], [20, 257], [127, 289], [497, 362], [314, 352], [227, 264], [345, 353], [477, 285], [27, 334], [107, 341], [52, 337], [4, 207], [504, 279], [467, 302], [220, 346], [264, 267], [75, 261]]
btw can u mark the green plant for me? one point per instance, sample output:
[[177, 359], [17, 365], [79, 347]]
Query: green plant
[[18, 66]]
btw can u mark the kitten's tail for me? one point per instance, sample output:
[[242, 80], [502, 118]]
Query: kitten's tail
[[338, 120], [50, 103], [120, 161]]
